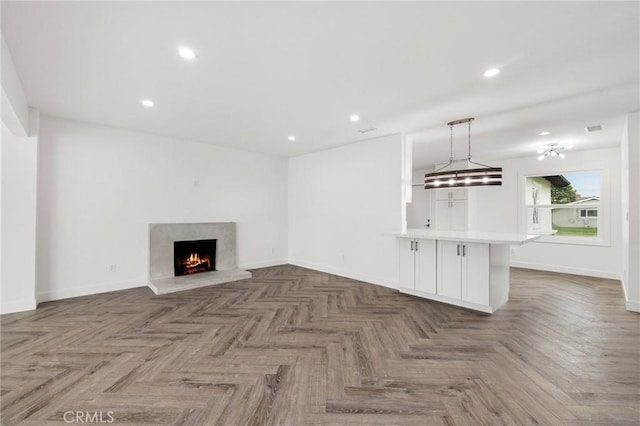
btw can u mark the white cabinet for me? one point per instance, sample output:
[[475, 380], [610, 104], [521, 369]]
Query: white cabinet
[[450, 215], [463, 271], [471, 269], [450, 209], [445, 194], [449, 270], [406, 264], [475, 273], [417, 264], [468, 274], [425, 252]]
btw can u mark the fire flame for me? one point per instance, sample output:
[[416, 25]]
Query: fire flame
[[195, 263], [194, 259]]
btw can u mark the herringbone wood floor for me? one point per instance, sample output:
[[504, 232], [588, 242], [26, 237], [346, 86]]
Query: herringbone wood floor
[[294, 346]]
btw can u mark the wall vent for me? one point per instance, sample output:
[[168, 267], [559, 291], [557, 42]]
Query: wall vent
[[367, 130], [595, 128]]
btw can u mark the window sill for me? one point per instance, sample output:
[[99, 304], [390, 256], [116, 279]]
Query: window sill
[[576, 241]]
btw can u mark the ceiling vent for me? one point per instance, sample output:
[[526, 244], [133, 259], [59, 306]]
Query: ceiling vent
[[367, 130], [595, 128]]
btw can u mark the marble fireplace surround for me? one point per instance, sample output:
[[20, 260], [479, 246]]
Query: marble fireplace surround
[[161, 238]]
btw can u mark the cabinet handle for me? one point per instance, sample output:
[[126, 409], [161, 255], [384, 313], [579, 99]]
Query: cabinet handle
[[416, 246], [458, 249], [464, 250], [411, 245]]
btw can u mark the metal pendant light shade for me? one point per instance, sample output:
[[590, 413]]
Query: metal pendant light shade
[[449, 177]]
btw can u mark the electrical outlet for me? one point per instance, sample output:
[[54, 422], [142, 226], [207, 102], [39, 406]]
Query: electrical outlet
[[112, 267], [343, 258], [273, 250], [196, 183]]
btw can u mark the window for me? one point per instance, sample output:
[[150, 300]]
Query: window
[[564, 207]]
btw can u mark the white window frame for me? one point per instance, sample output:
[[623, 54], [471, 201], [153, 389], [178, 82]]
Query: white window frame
[[586, 211], [604, 209]]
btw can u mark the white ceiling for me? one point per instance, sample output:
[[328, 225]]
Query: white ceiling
[[267, 70]]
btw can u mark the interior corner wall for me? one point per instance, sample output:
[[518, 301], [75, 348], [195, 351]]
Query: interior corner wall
[[100, 187], [630, 214], [18, 171], [15, 109], [341, 203], [497, 209]]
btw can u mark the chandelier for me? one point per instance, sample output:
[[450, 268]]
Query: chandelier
[[448, 176], [552, 150]]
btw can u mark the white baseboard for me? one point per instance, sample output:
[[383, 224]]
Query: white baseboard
[[263, 264], [567, 270], [632, 306], [629, 304], [17, 306], [345, 273], [65, 293]]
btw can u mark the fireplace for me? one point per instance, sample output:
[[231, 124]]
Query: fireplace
[[180, 253], [192, 257]]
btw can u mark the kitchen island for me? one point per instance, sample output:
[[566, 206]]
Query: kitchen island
[[462, 268]]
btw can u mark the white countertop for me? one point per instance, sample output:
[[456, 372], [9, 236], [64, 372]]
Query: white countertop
[[478, 237]]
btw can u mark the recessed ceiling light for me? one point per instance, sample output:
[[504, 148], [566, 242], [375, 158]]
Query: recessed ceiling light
[[491, 72], [186, 53], [354, 117], [544, 133], [292, 138], [148, 103]]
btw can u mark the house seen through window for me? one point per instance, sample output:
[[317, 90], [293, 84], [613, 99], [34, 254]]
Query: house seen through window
[[563, 204]]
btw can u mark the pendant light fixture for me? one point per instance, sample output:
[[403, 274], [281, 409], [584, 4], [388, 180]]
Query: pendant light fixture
[[448, 176]]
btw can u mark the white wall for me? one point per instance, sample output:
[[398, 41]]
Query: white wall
[[100, 187], [341, 201], [630, 214], [15, 110], [17, 221], [495, 209]]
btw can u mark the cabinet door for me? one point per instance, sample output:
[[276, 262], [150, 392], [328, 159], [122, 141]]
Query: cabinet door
[[449, 274], [475, 273], [442, 215], [458, 215], [406, 263], [450, 194], [442, 194], [425, 258], [458, 193]]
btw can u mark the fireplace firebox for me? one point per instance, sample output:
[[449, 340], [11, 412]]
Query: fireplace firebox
[[192, 257]]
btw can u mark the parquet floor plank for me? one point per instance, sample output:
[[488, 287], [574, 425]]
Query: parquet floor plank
[[293, 346]]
